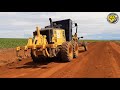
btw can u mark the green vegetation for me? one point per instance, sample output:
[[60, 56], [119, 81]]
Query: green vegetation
[[12, 42], [117, 41], [95, 40]]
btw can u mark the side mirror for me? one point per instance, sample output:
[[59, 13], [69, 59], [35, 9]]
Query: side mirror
[[81, 37]]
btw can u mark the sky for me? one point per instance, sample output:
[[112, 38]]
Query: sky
[[91, 25]]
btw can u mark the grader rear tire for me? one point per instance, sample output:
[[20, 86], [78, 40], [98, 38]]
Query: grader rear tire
[[75, 50], [67, 52]]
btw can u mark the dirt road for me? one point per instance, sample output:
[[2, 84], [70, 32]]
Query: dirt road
[[102, 60]]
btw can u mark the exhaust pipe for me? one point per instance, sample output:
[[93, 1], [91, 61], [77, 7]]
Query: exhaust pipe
[[76, 27], [51, 23]]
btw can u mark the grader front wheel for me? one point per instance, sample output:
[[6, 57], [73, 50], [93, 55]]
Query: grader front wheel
[[75, 49], [85, 46]]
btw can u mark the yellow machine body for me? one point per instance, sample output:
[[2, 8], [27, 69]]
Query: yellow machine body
[[52, 41], [39, 43]]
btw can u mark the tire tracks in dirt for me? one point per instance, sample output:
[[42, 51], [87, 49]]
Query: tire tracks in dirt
[[99, 63]]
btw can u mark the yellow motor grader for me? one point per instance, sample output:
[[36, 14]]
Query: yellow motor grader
[[54, 40]]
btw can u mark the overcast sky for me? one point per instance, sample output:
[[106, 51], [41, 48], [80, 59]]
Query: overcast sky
[[91, 25]]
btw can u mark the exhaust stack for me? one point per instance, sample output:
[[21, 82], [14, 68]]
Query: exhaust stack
[[51, 23]]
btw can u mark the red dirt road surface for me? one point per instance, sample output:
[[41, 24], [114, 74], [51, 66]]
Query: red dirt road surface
[[102, 60]]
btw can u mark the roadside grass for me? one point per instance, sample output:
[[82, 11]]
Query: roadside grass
[[12, 42], [95, 40]]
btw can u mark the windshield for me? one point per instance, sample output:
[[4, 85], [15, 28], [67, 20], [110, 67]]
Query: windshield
[[48, 34]]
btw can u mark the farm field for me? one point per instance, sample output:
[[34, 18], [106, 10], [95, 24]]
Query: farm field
[[11, 42]]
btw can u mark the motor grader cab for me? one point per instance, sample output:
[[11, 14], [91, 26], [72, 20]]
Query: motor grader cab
[[54, 40]]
